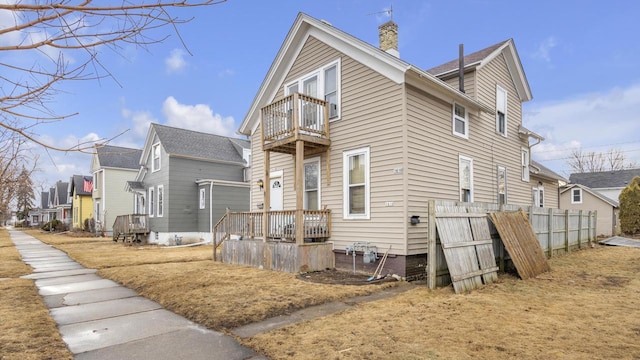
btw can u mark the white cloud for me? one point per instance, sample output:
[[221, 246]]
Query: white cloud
[[140, 121], [544, 49], [594, 122], [175, 62], [197, 117], [226, 73]]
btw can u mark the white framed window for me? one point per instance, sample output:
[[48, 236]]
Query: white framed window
[[160, 211], [152, 201], [203, 198], [323, 83], [356, 183], [538, 196], [524, 162], [312, 178], [576, 196], [501, 110], [155, 157], [502, 184], [465, 166], [460, 121], [139, 204], [98, 211]]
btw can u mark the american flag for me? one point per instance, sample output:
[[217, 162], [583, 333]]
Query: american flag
[[87, 185]]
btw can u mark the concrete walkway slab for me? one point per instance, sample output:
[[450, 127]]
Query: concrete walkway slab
[[75, 287], [102, 310], [53, 274], [99, 319], [66, 279], [97, 295], [98, 334], [185, 344], [57, 267]]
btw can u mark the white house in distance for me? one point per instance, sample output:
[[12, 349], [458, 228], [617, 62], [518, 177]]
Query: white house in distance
[[112, 167]]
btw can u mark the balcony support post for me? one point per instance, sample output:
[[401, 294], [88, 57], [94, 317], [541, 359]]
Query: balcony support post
[[266, 203], [299, 185]]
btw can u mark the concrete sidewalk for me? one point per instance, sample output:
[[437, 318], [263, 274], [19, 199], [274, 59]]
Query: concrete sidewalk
[[99, 319]]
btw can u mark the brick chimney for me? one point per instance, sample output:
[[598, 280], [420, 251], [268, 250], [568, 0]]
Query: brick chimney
[[389, 37]]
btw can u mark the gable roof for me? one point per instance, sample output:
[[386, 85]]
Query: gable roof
[[61, 193], [544, 171], [482, 57], [44, 200], [77, 183], [384, 63], [195, 144], [592, 192], [118, 157], [605, 179]]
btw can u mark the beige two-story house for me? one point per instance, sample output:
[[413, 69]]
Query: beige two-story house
[[350, 142]]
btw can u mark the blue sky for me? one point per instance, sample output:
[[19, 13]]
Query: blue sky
[[580, 58]]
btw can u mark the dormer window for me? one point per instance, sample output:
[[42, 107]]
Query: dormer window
[[323, 83], [460, 121]]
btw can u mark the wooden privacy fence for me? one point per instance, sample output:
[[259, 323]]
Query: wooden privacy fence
[[558, 231]]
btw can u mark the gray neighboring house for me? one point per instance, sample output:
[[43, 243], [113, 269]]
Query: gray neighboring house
[[608, 183], [61, 204], [187, 180], [112, 167]]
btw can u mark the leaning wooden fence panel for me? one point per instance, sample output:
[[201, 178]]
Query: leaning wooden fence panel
[[521, 243]]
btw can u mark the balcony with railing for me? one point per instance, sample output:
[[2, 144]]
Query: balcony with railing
[[292, 118]]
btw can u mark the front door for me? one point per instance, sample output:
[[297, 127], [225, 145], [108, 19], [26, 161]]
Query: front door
[[276, 193]]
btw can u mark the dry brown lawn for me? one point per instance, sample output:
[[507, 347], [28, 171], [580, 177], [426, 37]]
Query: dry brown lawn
[[26, 329], [187, 282], [587, 307]]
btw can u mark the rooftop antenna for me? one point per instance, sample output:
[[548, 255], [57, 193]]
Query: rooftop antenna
[[388, 12]]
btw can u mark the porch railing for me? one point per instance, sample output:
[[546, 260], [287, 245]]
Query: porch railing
[[282, 226], [295, 114], [130, 225]]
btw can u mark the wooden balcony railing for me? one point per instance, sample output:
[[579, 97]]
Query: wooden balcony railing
[[295, 117], [282, 226]]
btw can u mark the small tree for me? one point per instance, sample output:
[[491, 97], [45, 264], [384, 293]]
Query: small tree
[[24, 194], [630, 207]]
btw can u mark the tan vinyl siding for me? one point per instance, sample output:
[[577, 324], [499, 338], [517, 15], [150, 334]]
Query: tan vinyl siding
[[433, 151], [371, 116], [469, 83], [606, 211], [506, 151], [551, 191]]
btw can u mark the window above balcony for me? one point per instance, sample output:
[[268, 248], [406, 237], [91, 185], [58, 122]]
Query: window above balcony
[[322, 83]]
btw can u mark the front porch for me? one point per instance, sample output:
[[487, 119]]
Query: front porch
[[245, 242]]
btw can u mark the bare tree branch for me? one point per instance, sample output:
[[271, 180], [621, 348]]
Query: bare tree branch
[[69, 36]]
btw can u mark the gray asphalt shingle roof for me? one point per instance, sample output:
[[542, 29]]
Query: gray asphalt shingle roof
[[201, 145], [545, 171], [78, 184], [119, 157], [468, 59], [605, 179]]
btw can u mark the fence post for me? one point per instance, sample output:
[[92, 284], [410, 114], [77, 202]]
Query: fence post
[[566, 231], [551, 233], [579, 229], [595, 225], [431, 245]]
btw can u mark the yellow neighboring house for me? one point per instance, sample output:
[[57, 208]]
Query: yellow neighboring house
[[80, 189]]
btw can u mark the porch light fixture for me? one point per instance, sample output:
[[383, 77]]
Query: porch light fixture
[[261, 184]]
